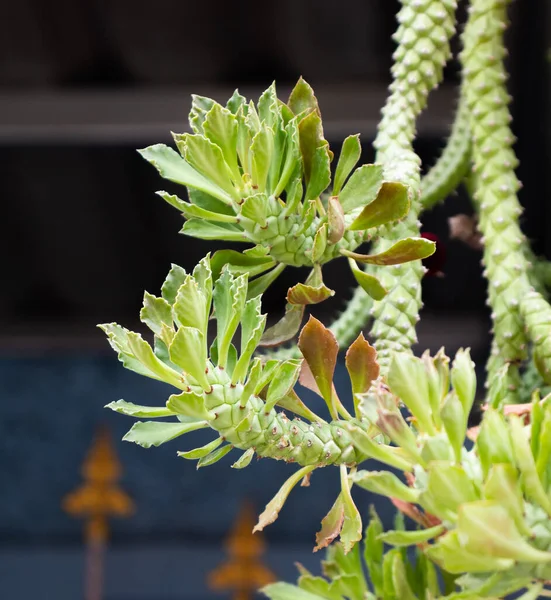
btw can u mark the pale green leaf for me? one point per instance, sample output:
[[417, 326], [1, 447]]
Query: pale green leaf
[[409, 538], [236, 102], [362, 187], [192, 210], [286, 328], [189, 404], [320, 173], [244, 460], [463, 378], [208, 230], [284, 380], [214, 456], [176, 276], [173, 167], [262, 148], [390, 204], [255, 208], [155, 312], [403, 251], [189, 351], [202, 451], [286, 591], [220, 127], [385, 483], [369, 283], [133, 410], [351, 532], [190, 306], [154, 433]]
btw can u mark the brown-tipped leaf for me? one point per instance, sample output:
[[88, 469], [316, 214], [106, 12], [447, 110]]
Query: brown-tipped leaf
[[307, 294], [403, 251], [302, 98], [320, 348], [331, 525], [391, 204], [362, 365], [273, 507], [286, 328]]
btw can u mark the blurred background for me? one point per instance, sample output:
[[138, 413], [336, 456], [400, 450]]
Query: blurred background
[[82, 85]]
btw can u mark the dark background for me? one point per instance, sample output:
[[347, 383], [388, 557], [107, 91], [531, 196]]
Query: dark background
[[82, 85]]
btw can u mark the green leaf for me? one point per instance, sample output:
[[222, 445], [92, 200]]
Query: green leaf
[[335, 220], [310, 139], [294, 404], [220, 127], [273, 507], [209, 203], [244, 460], [262, 149], [229, 301], [214, 456], [450, 554], [403, 251], [373, 552], [208, 230], [252, 328], [320, 173], [133, 410], [190, 306], [362, 187], [385, 454], [391, 204], [189, 351], [525, 462], [399, 579], [308, 215], [303, 294], [176, 276], [191, 210], [393, 425], [155, 312], [502, 485], [239, 263], [302, 98], [407, 380], [387, 484], [448, 488], [463, 378], [189, 404], [286, 591], [200, 105], [154, 433], [173, 167], [202, 451], [454, 420], [331, 525], [351, 532], [493, 443], [284, 380], [286, 328], [361, 364], [292, 158], [369, 283], [487, 528], [350, 154], [319, 348], [202, 274], [409, 538], [236, 102], [320, 244], [256, 208]]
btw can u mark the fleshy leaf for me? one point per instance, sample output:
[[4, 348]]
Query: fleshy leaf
[[155, 312], [188, 404], [273, 507], [303, 294], [244, 460], [209, 230], [310, 138], [361, 364], [239, 263], [154, 433], [283, 381], [197, 453], [133, 410], [373, 552], [493, 443], [386, 454], [385, 483], [320, 348], [173, 167], [362, 187], [189, 351], [320, 243], [294, 404], [351, 532], [287, 591], [320, 173], [400, 580], [401, 252], [262, 148], [259, 285], [252, 328], [335, 220], [454, 420], [369, 283], [214, 456], [190, 306], [302, 98], [350, 155], [286, 328], [256, 208], [176, 276], [391, 204], [220, 127], [235, 102], [409, 538], [292, 159], [331, 525], [463, 378]]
